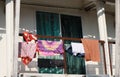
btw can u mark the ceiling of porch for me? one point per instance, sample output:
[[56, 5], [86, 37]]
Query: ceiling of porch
[[86, 5]]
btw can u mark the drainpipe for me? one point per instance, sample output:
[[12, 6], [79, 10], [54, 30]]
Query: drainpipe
[[103, 32], [9, 36]]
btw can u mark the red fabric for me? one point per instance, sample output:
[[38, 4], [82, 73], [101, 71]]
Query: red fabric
[[29, 37], [26, 36], [26, 60], [32, 37]]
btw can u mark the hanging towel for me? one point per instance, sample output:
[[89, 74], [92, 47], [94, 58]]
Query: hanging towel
[[91, 48], [77, 48], [27, 52], [50, 47]]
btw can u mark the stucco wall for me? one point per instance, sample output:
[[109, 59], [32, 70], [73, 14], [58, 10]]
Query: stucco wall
[[89, 19]]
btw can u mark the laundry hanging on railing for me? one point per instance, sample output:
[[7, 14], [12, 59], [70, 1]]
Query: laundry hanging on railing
[[54, 49], [48, 48], [92, 51], [27, 52], [77, 48]]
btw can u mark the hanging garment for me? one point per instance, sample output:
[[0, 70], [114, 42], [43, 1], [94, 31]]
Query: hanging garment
[[77, 48], [47, 53], [55, 70], [50, 47], [75, 64], [29, 37], [48, 63], [56, 57], [26, 36], [27, 52], [91, 48], [70, 51]]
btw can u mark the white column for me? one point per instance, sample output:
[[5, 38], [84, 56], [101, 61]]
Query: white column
[[16, 37], [103, 31], [117, 46], [9, 36]]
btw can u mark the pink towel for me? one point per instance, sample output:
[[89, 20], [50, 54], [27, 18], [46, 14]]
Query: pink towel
[[27, 51]]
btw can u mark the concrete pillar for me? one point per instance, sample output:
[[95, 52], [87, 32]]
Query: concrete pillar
[[9, 36], [103, 31], [16, 37], [117, 46]]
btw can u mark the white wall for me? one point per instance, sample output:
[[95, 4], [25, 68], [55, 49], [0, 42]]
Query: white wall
[[89, 19], [110, 25]]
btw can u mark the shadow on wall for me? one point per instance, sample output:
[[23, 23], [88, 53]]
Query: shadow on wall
[[2, 30], [1, 36], [94, 68], [30, 68]]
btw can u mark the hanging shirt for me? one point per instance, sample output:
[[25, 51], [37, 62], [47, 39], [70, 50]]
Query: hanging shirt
[[91, 48], [27, 52], [77, 48], [50, 47]]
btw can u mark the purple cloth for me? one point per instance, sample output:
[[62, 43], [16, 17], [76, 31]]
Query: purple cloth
[[50, 46]]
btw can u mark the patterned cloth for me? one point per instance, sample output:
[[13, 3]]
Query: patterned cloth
[[56, 57], [28, 37], [50, 47], [27, 52], [55, 70], [48, 63]]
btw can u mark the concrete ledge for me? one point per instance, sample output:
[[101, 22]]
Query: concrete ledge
[[97, 75], [48, 75]]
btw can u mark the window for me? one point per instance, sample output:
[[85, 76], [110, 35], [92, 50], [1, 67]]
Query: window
[[71, 26], [49, 24]]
